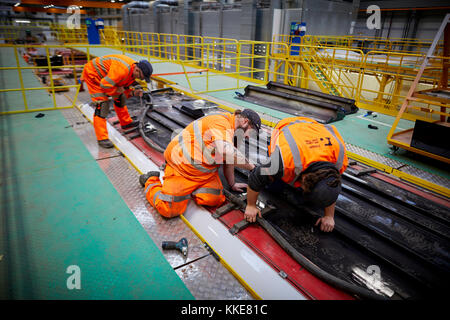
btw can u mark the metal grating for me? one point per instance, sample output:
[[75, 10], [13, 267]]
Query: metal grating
[[425, 175], [374, 156]]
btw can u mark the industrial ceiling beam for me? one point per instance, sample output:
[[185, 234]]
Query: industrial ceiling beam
[[85, 4], [49, 10]]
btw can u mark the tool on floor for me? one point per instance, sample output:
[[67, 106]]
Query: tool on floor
[[181, 246]]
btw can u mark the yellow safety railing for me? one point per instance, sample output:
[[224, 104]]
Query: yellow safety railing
[[79, 35], [343, 71], [375, 79], [368, 43], [8, 34], [387, 78], [18, 33], [46, 76], [66, 35], [240, 60], [309, 67]]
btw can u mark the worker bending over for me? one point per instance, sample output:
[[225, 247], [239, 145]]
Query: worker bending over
[[306, 155], [193, 158], [113, 76]]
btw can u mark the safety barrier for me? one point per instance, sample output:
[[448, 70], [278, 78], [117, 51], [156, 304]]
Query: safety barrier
[[30, 69], [365, 43], [393, 74], [240, 60], [66, 35], [376, 79]]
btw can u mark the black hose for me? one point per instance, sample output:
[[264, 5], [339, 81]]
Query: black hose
[[141, 130], [314, 269], [305, 262]]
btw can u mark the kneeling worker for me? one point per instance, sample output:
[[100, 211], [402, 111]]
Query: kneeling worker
[[112, 76], [193, 158], [306, 155]]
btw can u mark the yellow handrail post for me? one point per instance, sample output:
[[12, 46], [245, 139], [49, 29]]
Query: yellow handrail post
[[266, 72], [20, 78], [178, 48], [238, 62], [50, 75], [207, 66], [88, 55]]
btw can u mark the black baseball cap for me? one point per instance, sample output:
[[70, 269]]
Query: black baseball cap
[[146, 69], [253, 117], [323, 195]]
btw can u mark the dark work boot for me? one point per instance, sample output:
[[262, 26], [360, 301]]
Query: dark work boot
[[130, 125], [144, 177], [105, 143]]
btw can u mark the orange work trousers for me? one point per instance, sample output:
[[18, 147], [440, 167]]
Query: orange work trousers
[[172, 197], [100, 118], [101, 111]]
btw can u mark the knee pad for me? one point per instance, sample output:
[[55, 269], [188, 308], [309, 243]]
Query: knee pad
[[102, 109], [120, 101]]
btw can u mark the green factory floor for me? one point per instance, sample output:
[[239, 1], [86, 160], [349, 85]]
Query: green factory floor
[[353, 128], [59, 210]]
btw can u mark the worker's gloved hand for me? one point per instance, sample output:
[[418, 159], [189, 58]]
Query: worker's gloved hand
[[146, 97], [239, 187], [138, 92], [326, 224], [120, 90], [251, 212]]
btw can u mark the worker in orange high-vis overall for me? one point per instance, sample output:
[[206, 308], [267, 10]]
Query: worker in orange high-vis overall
[[308, 156], [114, 76], [193, 158]]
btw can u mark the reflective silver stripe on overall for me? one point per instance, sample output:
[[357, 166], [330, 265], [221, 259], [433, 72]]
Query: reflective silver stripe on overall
[[294, 149], [340, 159], [102, 66], [172, 198], [197, 136], [188, 157], [151, 185], [94, 62], [169, 198], [110, 81], [296, 153], [113, 58], [213, 191], [205, 151], [99, 94]]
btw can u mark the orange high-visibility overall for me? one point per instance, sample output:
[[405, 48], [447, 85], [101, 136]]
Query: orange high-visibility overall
[[191, 171], [302, 141], [103, 76]]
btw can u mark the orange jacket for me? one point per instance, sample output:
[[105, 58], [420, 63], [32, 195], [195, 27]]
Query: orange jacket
[[190, 153], [303, 141], [110, 72]]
